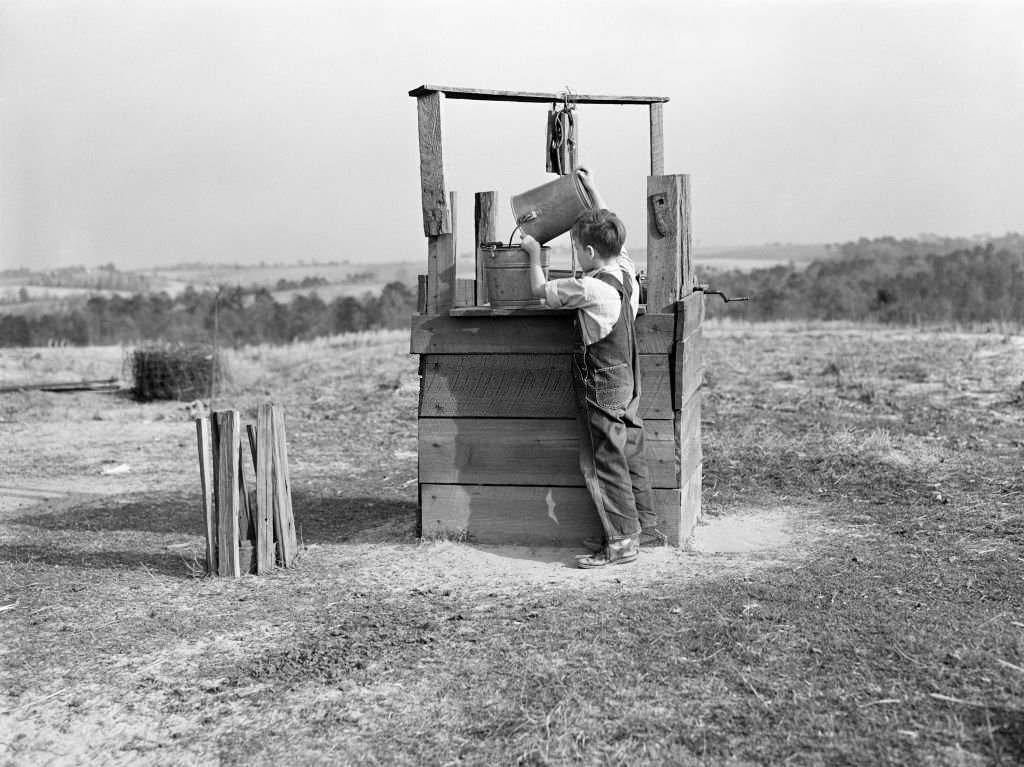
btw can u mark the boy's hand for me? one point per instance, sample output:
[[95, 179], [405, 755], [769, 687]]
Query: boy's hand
[[531, 246], [586, 177]]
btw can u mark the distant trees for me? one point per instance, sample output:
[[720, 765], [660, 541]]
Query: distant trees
[[886, 280], [240, 316]]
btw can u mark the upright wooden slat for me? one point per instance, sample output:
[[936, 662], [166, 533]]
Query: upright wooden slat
[[688, 368], [284, 523], [689, 315], [250, 431], [264, 489], [669, 262], [429, 114], [440, 273], [453, 213], [485, 229], [421, 293], [657, 139], [203, 437], [227, 497], [689, 509]]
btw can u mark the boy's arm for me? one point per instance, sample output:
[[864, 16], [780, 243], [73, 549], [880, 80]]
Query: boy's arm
[[586, 177], [532, 248]]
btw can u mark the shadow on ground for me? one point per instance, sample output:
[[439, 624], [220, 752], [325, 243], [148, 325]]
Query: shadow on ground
[[317, 519], [163, 563]]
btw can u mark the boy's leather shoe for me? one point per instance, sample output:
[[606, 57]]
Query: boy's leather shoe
[[618, 553], [649, 538]]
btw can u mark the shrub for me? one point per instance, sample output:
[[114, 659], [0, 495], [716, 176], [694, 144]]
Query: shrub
[[180, 371]]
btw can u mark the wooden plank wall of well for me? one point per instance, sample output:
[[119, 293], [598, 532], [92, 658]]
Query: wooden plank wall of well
[[498, 436]]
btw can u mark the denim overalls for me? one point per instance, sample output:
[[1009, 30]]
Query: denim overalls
[[606, 379]]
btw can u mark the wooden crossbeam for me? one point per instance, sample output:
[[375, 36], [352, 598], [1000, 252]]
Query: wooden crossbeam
[[481, 94]]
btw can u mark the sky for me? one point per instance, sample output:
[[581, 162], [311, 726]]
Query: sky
[[151, 132]]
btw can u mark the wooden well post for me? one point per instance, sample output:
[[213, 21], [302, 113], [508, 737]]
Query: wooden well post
[[498, 435]]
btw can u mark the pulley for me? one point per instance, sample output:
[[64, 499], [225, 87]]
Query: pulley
[[563, 136]]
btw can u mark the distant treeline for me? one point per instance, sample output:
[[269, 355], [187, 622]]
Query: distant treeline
[[886, 280], [105, 277], [240, 317]]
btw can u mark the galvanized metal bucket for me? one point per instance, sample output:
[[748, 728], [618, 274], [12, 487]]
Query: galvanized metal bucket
[[507, 270], [551, 209]]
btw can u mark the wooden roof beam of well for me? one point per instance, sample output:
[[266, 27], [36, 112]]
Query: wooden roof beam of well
[[479, 94]]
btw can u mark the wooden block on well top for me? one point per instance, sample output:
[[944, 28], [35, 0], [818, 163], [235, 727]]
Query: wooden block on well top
[[485, 228]]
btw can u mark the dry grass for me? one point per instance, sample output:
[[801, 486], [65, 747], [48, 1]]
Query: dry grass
[[895, 635]]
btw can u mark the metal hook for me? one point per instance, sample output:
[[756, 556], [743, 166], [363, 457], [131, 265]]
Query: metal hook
[[707, 291]]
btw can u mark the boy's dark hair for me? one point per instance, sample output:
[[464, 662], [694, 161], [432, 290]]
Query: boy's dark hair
[[602, 230]]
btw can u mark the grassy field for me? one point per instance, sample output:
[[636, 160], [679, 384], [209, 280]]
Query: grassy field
[[888, 630]]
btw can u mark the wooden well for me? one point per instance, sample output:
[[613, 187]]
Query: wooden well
[[498, 435]]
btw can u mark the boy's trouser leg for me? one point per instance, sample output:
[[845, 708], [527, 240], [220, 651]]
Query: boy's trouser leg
[[639, 472], [604, 447]]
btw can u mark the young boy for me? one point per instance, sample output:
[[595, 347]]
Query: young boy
[[606, 379]]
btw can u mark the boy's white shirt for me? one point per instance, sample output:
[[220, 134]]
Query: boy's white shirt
[[597, 302]]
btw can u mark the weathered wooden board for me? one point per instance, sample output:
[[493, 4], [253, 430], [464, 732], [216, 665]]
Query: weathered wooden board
[[264, 489], [690, 509], [689, 315], [440, 273], [669, 262], [657, 139], [480, 94], [485, 229], [529, 334], [527, 451], [429, 116], [523, 386], [688, 368], [537, 515], [284, 521], [206, 482], [226, 486], [688, 431]]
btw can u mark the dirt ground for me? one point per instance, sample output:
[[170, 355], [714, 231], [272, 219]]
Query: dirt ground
[[115, 650]]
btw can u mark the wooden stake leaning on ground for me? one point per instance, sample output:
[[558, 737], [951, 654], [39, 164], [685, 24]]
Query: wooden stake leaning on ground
[[206, 481], [234, 517], [284, 522], [262, 440], [227, 426]]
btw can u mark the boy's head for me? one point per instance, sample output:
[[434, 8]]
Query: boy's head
[[601, 230]]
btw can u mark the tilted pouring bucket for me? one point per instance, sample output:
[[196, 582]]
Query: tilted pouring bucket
[[551, 209], [507, 269]]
